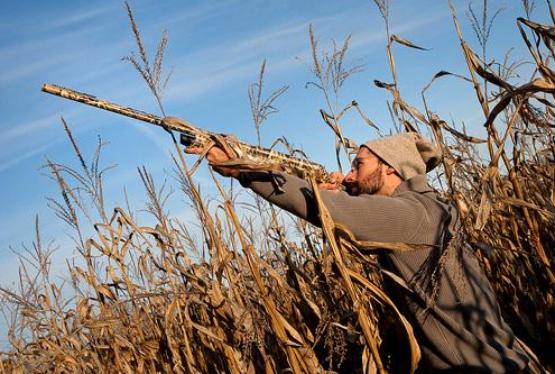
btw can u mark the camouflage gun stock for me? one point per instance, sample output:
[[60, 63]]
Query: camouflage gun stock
[[258, 158]]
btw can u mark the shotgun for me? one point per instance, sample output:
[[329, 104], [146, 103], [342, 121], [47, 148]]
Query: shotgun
[[257, 157]]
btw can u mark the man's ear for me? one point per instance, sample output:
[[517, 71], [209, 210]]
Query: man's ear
[[389, 170]]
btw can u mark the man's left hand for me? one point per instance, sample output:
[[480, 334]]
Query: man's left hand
[[215, 156]]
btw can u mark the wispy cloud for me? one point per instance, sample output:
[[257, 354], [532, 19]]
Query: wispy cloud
[[23, 140], [217, 66], [366, 39], [196, 14], [81, 16], [13, 161], [16, 132], [220, 65], [51, 42], [204, 71], [51, 20], [35, 57]]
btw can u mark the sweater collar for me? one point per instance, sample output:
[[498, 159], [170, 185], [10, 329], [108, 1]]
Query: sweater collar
[[418, 183]]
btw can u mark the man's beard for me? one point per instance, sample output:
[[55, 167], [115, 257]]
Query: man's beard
[[369, 185]]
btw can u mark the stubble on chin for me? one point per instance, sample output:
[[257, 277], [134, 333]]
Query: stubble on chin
[[369, 185]]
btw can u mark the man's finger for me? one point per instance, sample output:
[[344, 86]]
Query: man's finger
[[193, 150], [336, 177]]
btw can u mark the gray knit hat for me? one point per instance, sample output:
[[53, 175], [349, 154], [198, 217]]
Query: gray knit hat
[[409, 153]]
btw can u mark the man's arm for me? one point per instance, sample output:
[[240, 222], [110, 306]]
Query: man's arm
[[369, 217]]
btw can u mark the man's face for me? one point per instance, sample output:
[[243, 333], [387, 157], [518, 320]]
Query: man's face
[[366, 175]]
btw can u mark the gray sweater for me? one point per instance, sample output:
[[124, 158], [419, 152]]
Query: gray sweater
[[462, 329]]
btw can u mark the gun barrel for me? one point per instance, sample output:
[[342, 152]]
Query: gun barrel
[[94, 101], [192, 134], [91, 100]]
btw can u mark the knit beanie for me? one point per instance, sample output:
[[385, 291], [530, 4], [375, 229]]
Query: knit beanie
[[409, 153]]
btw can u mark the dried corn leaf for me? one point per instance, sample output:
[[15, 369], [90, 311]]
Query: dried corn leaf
[[405, 42]]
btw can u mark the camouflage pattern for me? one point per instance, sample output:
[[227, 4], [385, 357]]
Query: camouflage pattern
[[246, 156]]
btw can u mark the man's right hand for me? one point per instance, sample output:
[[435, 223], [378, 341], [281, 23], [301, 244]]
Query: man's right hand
[[335, 183]]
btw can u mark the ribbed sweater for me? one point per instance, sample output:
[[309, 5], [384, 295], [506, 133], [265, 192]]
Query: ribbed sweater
[[462, 329]]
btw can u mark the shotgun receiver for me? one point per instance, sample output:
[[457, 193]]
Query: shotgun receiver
[[190, 135]]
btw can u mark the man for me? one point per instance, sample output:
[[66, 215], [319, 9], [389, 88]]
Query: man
[[442, 291]]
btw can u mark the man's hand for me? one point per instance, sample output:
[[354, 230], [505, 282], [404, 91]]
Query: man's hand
[[336, 180], [215, 156]]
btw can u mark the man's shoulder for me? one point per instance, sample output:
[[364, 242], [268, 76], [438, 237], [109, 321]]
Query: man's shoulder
[[435, 210]]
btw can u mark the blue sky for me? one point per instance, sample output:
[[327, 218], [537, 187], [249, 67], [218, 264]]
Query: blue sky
[[215, 49]]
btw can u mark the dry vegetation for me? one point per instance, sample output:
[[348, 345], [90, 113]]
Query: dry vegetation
[[244, 297]]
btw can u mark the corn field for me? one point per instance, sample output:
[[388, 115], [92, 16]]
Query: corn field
[[243, 297]]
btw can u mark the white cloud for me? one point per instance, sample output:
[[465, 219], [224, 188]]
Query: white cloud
[[51, 19], [17, 131], [81, 16], [220, 65], [211, 68], [5, 165], [405, 27], [24, 140], [47, 44], [195, 14]]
